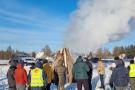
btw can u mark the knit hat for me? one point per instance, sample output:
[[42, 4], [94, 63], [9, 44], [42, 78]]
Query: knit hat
[[39, 64]]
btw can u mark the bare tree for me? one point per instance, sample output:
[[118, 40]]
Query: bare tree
[[47, 51]]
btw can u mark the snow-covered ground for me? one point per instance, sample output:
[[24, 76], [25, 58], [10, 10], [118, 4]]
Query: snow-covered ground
[[95, 80], [4, 62], [3, 80]]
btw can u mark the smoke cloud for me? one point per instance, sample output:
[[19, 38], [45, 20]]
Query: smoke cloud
[[97, 22]]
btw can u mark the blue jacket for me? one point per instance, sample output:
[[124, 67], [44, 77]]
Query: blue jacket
[[120, 76], [80, 70]]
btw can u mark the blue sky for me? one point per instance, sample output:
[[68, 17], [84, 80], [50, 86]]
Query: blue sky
[[28, 25]]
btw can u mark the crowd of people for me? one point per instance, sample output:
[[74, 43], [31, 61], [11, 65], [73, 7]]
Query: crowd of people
[[41, 75]]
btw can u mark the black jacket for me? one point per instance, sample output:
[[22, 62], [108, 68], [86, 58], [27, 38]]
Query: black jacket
[[91, 69]]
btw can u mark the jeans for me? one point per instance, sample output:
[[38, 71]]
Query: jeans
[[102, 81]]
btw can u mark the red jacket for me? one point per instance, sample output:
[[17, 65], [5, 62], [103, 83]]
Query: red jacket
[[20, 75]]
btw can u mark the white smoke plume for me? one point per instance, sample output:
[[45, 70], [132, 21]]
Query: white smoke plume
[[97, 22]]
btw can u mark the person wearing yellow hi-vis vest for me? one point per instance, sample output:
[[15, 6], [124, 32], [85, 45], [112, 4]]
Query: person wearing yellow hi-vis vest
[[38, 77], [131, 69]]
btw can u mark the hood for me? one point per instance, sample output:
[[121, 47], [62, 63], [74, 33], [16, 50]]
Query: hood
[[19, 66], [38, 64], [13, 63], [46, 65], [12, 67], [79, 60], [119, 63]]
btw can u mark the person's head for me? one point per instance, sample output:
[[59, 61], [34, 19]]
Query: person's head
[[38, 64], [32, 66], [119, 62], [13, 63], [45, 61], [21, 62], [12, 67], [100, 60], [116, 58], [80, 57], [131, 61]]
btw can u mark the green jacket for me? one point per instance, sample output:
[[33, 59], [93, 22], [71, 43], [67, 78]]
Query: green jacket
[[80, 70]]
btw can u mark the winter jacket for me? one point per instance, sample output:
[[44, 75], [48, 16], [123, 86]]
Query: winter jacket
[[91, 69], [119, 62], [10, 77], [20, 75], [120, 76], [49, 72], [101, 68], [80, 69]]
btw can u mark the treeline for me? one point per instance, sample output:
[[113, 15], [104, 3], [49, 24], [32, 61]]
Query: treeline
[[9, 53], [6, 54], [129, 51]]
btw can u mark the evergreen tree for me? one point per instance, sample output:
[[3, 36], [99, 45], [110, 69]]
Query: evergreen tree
[[130, 51]]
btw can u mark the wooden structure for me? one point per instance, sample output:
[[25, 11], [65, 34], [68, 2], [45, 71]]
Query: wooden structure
[[65, 55]]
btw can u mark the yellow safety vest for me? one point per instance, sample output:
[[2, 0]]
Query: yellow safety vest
[[132, 70], [36, 78]]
